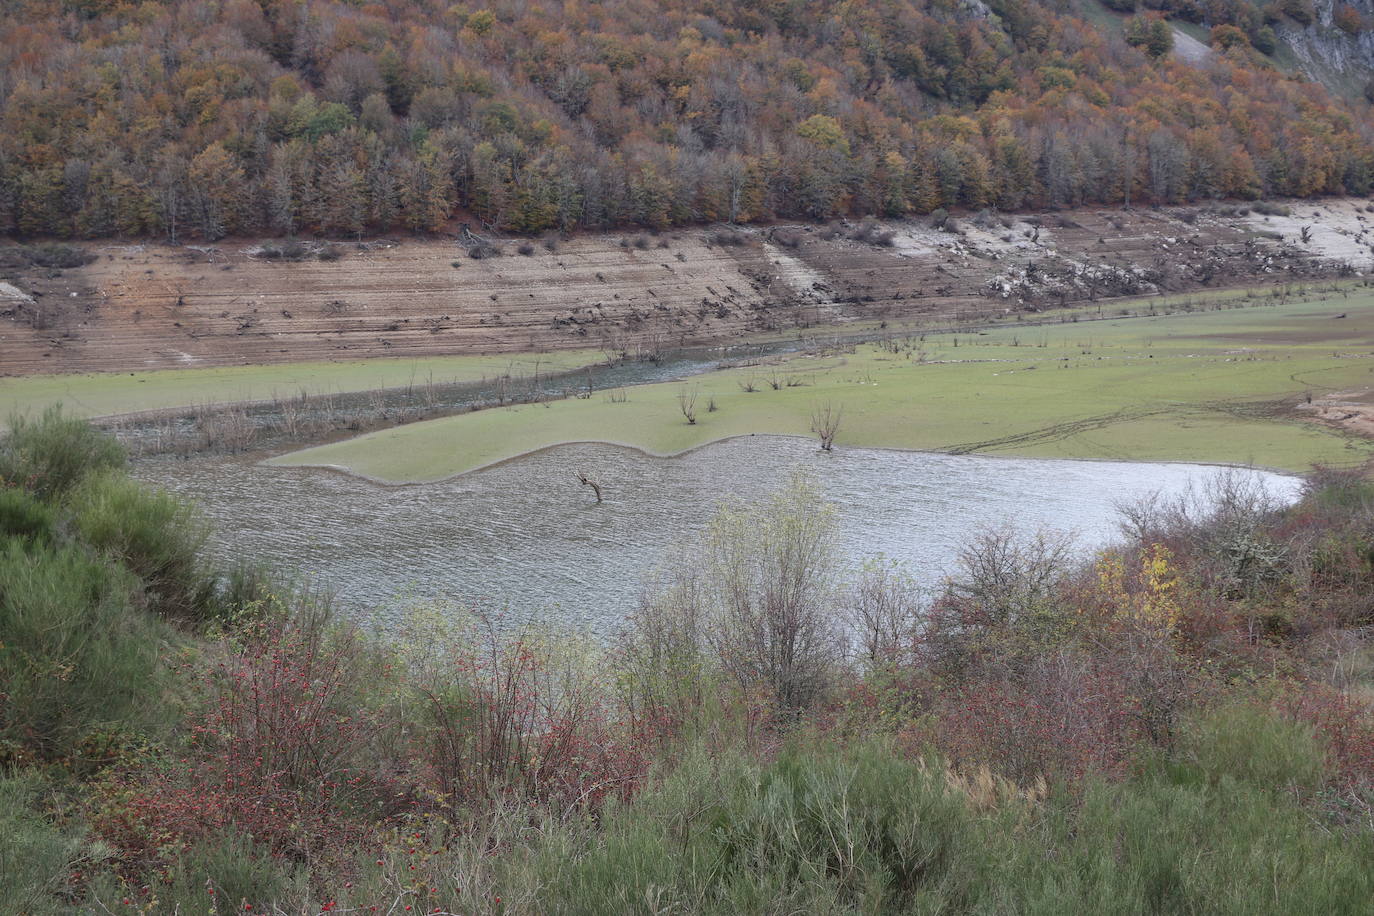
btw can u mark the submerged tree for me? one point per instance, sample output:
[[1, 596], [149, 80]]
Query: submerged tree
[[825, 423]]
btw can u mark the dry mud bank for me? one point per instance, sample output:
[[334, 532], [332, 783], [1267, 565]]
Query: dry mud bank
[[143, 306]]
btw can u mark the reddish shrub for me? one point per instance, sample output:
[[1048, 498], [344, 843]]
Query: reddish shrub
[[508, 715], [285, 752], [1344, 723], [1065, 720]]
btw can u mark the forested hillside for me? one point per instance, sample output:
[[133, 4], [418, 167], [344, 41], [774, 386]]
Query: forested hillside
[[189, 118]]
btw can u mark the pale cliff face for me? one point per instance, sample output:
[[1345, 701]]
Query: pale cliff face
[[1344, 62]]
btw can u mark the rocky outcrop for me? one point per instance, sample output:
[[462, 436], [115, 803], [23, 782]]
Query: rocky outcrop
[[1326, 53]]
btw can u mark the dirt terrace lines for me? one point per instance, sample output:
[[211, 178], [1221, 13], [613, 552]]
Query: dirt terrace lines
[[148, 306]]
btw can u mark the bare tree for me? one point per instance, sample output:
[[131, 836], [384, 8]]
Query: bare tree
[[883, 611], [687, 403], [825, 423], [770, 571], [1003, 607]]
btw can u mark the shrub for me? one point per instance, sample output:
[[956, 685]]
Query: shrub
[[770, 575], [75, 659], [1065, 719], [1268, 208], [1345, 726], [525, 248], [858, 831], [1247, 743], [53, 255], [1004, 604], [1156, 846], [241, 874], [35, 857], [286, 251], [51, 454], [883, 611], [869, 233], [287, 752], [517, 713], [154, 533], [23, 516]]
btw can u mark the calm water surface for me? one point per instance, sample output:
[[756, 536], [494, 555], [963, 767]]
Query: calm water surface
[[526, 535]]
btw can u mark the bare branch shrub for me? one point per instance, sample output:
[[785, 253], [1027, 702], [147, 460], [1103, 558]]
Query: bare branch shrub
[[687, 403], [663, 652], [1005, 603], [756, 603], [771, 583], [883, 611], [1222, 524], [508, 709], [825, 423]]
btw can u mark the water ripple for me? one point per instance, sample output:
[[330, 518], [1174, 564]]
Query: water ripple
[[527, 535]]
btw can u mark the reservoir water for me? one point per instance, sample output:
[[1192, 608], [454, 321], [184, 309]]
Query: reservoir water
[[527, 536]]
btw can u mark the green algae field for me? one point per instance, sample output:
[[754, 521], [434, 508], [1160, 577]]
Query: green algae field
[[1231, 385], [109, 393]]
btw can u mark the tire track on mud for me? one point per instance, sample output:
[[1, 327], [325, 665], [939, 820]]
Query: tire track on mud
[[1246, 410]]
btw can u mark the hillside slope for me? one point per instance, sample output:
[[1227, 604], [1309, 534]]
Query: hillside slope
[[180, 119]]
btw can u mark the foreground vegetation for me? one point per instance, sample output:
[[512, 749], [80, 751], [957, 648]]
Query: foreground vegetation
[[1184, 722], [1220, 385]]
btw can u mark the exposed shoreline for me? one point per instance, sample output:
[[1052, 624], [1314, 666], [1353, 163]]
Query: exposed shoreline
[[670, 456]]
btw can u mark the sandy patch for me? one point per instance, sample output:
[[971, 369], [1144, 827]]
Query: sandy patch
[[1336, 230], [1352, 411]]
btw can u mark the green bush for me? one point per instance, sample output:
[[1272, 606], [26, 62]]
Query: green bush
[[1153, 846], [863, 831], [152, 532], [35, 857], [240, 873], [76, 662], [53, 453], [23, 516], [1246, 743]]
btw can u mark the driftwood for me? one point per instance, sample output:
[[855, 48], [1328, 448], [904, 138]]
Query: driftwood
[[586, 481]]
